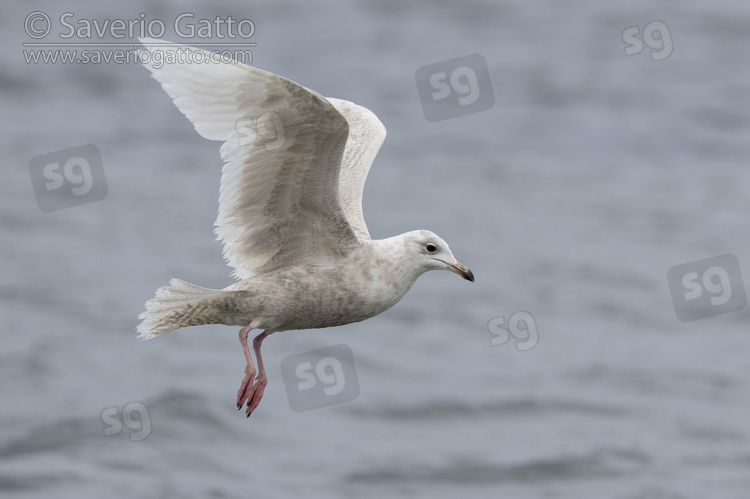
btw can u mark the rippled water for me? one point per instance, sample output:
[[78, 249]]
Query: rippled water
[[592, 175]]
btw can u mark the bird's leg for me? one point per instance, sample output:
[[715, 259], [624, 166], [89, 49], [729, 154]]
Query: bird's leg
[[260, 383], [247, 381]]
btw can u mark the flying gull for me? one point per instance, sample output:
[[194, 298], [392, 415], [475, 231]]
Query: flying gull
[[290, 209]]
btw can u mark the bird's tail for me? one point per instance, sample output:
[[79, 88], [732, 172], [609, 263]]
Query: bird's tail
[[182, 304]]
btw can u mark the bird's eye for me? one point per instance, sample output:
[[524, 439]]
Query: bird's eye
[[431, 248]]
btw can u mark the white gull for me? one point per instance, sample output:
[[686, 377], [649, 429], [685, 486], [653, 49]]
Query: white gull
[[290, 209]]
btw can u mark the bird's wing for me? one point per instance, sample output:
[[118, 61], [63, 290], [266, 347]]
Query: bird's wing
[[366, 135], [279, 202]]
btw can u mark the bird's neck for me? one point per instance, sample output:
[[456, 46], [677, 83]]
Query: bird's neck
[[391, 255]]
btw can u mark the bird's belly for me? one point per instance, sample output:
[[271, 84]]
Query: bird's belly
[[334, 307], [301, 300]]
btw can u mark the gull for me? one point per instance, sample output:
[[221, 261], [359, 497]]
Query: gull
[[290, 209]]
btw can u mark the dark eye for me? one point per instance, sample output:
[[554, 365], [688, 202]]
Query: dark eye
[[431, 248]]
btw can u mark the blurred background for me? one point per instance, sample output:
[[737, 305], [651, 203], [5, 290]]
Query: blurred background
[[587, 177]]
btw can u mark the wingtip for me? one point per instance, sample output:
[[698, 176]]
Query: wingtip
[[145, 335], [154, 44], [146, 41]]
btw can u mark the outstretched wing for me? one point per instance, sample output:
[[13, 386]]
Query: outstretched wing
[[279, 202], [366, 135]]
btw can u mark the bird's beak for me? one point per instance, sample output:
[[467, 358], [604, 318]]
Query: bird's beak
[[461, 270]]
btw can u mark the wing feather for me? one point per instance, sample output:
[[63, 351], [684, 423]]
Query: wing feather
[[366, 135], [279, 202]]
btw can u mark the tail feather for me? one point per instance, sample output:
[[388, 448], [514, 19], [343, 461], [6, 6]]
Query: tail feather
[[182, 304]]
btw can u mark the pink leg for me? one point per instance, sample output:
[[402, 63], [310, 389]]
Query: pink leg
[[247, 382], [260, 383]]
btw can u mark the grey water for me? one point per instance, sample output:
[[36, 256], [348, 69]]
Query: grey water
[[587, 177]]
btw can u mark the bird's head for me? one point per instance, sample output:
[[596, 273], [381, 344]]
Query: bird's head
[[426, 251]]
